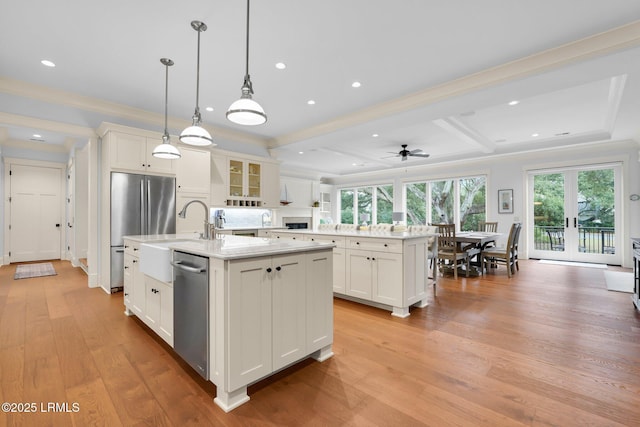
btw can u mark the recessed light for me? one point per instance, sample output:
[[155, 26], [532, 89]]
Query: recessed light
[[514, 102], [300, 152], [281, 65], [209, 109], [35, 135], [311, 102], [535, 134], [375, 135], [355, 84], [354, 164], [501, 140], [47, 63]]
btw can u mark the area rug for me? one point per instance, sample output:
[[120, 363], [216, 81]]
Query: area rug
[[26, 271], [573, 264], [619, 281]]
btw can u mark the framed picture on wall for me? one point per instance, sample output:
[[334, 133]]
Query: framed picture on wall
[[505, 201]]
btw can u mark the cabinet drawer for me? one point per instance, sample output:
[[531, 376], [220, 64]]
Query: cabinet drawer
[[369, 244], [132, 248], [338, 241], [293, 236]]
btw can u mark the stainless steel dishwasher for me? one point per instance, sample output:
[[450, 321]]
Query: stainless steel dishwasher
[[191, 310]]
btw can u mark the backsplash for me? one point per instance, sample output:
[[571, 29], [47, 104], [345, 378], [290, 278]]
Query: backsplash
[[245, 217]]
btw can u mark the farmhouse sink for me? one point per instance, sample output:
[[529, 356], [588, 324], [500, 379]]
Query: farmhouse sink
[[155, 259]]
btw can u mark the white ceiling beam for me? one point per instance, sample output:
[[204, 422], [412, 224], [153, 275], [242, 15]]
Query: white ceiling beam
[[462, 130], [607, 42]]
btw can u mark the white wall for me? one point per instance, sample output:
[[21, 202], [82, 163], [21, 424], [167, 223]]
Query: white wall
[[509, 171]]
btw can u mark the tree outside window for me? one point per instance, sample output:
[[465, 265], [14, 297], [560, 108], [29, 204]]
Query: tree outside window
[[436, 200], [377, 201]]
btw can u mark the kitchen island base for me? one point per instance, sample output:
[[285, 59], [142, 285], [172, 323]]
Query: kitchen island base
[[401, 312], [228, 401]]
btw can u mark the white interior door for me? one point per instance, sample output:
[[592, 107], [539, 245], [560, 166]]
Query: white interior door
[[575, 214], [35, 213]]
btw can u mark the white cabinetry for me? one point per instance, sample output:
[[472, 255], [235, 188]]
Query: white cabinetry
[[292, 236], [149, 299], [267, 316], [134, 153], [194, 171], [244, 182], [219, 179], [339, 258], [158, 313], [279, 310], [193, 181], [374, 267]]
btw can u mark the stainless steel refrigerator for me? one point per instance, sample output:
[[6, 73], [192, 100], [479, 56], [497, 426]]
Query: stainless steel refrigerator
[[140, 204]]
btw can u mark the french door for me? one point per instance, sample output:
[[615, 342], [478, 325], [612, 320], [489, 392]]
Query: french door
[[575, 214]]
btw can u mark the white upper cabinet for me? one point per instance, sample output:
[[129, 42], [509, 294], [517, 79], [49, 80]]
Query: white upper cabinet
[[193, 171], [134, 153]]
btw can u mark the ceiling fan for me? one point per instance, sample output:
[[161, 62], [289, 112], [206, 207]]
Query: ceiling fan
[[404, 153]]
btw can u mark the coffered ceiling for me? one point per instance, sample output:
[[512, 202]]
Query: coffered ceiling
[[438, 76]]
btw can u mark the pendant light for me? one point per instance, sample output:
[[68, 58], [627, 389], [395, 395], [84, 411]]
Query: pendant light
[[246, 111], [166, 150], [196, 134]]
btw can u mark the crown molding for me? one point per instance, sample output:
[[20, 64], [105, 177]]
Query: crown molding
[[599, 44], [113, 109], [48, 125]]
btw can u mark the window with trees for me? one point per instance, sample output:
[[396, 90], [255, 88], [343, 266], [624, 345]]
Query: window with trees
[[374, 200], [453, 201]]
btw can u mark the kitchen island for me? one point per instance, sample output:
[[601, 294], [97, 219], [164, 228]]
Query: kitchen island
[[384, 269], [270, 304]]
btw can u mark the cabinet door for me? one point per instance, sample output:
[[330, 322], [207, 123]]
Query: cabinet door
[[139, 290], [219, 180], [270, 185], [359, 274], [193, 172], [194, 220], [319, 300], [254, 180], [387, 278], [289, 309], [339, 270], [127, 151], [165, 323], [128, 280], [152, 303], [236, 178], [155, 164], [249, 326]]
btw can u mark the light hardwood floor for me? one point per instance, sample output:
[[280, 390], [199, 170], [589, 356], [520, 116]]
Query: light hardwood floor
[[551, 346]]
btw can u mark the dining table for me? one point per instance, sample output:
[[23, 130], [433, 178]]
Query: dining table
[[475, 243]]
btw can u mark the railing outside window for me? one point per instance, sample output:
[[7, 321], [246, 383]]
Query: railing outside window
[[593, 240]]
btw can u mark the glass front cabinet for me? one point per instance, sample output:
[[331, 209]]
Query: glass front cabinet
[[244, 183]]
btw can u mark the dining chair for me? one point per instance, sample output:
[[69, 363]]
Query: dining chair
[[488, 226], [327, 227], [507, 255], [380, 227], [449, 253], [432, 247]]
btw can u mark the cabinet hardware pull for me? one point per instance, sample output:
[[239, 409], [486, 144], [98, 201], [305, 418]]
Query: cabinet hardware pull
[[269, 270], [135, 260], [368, 258], [373, 259], [278, 268], [126, 266], [386, 246], [357, 243]]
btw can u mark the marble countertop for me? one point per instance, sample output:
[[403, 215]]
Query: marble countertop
[[229, 247], [248, 227], [399, 235]]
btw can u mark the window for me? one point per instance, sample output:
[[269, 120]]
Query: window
[[454, 201], [376, 201]]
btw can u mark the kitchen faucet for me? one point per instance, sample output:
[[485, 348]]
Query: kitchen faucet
[[207, 226]]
